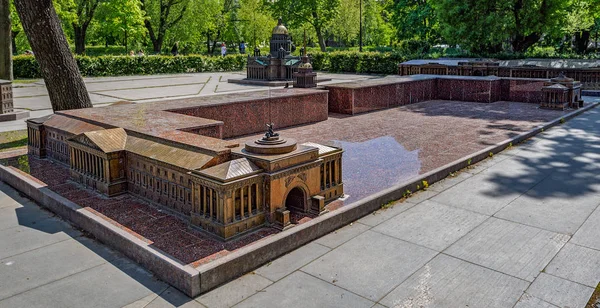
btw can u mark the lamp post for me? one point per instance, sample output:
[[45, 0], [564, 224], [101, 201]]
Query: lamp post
[[360, 34]]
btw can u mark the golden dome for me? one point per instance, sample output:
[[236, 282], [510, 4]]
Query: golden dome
[[280, 28], [305, 65]]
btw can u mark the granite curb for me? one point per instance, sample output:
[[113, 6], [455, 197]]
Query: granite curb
[[195, 281]]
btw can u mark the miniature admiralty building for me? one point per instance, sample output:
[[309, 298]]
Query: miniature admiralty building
[[180, 163]]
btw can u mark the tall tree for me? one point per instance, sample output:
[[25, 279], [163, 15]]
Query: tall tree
[[161, 16], [483, 26], [318, 13], [581, 18], [415, 19], [5, 41], [65, 85], [16, 28], [79, 15], [122, 19]]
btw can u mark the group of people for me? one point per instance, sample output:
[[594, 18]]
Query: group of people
[[140, 53], [224, 48]]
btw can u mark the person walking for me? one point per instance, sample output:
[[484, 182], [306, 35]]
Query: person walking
[[175, 49], [242, 47], [223, 49]]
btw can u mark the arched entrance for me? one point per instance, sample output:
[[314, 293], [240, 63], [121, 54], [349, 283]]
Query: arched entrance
[[296, 200]]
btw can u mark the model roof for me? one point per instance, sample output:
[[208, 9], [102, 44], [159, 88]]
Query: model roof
[[231, 170]]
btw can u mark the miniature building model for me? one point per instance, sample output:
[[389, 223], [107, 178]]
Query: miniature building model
[[219, 186], [278, 65], [561, 92], [587, 71], [7, 112], [6, 97]]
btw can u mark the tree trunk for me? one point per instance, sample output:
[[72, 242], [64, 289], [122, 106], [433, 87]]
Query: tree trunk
[[582, 40], [66, 88], [321, 39], [6, 70], [522, 43], [14, 42], [79, 39]]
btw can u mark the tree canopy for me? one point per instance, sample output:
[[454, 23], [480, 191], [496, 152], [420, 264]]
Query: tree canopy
[[199, 26]]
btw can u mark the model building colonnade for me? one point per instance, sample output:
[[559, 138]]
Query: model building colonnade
[[329, 175], [89, 164], [246, 201]]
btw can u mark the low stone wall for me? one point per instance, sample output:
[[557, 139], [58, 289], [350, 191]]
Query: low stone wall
[[249, 117], [365, 96]]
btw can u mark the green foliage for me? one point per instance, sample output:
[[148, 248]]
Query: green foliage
[[414, 19], [414, 46], [355, 62], [27, 67]]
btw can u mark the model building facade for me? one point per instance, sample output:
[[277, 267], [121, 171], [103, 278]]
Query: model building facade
[[222, 187]]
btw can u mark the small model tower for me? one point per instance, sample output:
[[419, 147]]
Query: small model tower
[[305, 77]]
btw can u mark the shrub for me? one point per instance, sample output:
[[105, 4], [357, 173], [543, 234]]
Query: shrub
[[27, 67]]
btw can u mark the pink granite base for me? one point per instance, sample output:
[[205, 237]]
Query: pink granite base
[[366, 96]]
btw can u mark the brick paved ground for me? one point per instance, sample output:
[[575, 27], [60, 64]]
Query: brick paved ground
[[387, 147]]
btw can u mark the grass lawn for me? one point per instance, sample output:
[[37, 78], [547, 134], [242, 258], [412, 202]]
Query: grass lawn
[[13, 140]]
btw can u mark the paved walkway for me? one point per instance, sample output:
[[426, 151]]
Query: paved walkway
[[518, 230], [140, 89]]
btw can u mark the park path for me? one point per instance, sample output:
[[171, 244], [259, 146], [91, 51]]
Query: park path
[[517, 230]]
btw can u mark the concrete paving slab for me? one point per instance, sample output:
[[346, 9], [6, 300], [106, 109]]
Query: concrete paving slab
[[235, 291], [10, 198], [144, 83], [450, 282], [382, 215], [560, 292], [91, 288], [484, 193], [294, 260], [371, 264], [578, 264], [26, 214], [431, 224], [153, 93], [342, 235], [589, 233], [25, 271], [450, 181], [422, 195], [21, 239], [529, 301], [508, 247], [304, 291], [563, 215], [171, 297]]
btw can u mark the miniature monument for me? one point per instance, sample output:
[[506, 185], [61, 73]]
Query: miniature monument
[[279, 66], [220, 187], [7, 112], [305, 77], [562, 92]]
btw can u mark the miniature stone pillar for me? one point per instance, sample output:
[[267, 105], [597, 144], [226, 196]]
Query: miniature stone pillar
[[7, 112]]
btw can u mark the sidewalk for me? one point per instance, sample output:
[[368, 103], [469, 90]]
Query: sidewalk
[[517, 230]]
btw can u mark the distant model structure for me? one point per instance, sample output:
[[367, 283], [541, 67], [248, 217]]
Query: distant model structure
[[278, 64], [305, 77], [562, 92], [587, 71], [7, 112]]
